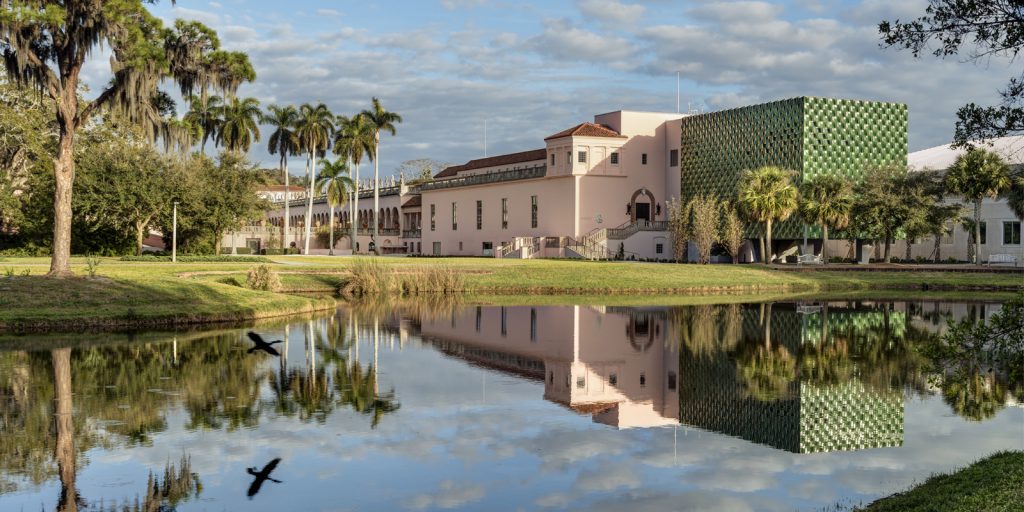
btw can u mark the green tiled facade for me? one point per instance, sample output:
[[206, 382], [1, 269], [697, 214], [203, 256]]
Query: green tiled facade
[[813, 136]]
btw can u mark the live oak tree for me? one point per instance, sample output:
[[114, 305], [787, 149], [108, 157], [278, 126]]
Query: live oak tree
[[45, 45], [885, 201], [974, 30]]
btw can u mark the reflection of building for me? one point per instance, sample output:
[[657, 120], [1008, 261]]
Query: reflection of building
[[614, 364], [809, 414]]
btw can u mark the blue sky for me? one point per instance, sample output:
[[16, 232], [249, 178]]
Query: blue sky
[[532, 68]]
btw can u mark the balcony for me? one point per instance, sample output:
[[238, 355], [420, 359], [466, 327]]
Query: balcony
[[491, 177], [412, 233]]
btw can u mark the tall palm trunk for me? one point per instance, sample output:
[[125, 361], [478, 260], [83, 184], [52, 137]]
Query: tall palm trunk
[[311, 173], [824, 244], [287, 196], [330, 229], [376, 182], [977, 231], [355, 210], [64, 451], [769, 256]]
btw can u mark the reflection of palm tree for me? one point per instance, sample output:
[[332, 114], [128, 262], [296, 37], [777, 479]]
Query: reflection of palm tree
[[973, 395], [358, 390]]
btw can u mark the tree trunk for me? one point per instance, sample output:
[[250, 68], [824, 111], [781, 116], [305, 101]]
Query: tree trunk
[[887, 255], [287, 196], [824, 244], [64, 178], [355, 210], [977, 231], [768, 242], [909, 249], [139, 237], [760, 243], [938, 247], [311, 173], [217, 245], [376, 183], [330, 230], [64, 450]]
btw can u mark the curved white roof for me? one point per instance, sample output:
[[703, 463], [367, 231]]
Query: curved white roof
[[942, 157]]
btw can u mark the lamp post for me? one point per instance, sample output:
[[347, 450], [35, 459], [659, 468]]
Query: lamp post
[[174, 235]]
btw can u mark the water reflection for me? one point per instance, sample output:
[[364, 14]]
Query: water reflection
[[797, 377]]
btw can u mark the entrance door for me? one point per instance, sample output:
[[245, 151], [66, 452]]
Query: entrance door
[[643, 212]]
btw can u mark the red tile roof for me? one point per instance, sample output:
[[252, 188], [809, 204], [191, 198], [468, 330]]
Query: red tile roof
[[587, 130], [415, 200], [494, 161]]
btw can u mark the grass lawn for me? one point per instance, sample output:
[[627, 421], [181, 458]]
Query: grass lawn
[[995, 484], [158, 293]]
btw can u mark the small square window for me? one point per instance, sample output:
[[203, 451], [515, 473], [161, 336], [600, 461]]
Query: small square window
[[581, 382], [672, 381], [615, 158], [581, 157], [643, 159], [1011, 233], [643, 380], [673, 158]]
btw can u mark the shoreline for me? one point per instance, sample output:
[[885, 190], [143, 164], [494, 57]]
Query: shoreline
[[131, 295]]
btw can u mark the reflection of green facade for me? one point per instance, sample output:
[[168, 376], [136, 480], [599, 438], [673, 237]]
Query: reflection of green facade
[[812, 416], [814, 136]]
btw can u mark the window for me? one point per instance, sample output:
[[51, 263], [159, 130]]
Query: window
[[533, 211], [455, 217], [581, 382], [552, 159], [984, 232], [672, 381], [581, 157], [460, 246], [613, 379], [643, 159], [659, 248], [615, 158], [643, 379], [437, 248], [1011, 233], [533, 324], [488, 248], [504, 213], [568, 157], [433, 215], [479, 317], [504, 321], [673, 158], [479, 214]]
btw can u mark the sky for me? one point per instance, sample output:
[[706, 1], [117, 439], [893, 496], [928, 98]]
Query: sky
[[533, 68]]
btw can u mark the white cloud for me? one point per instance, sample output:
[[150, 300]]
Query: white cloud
[[611, 11]]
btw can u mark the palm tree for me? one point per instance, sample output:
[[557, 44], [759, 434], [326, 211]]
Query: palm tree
[[283, 141], [240, 124], [335, 183], [380, 120], [767, 194], [826, 201], [205, 115], [975, 175], [354, 140], [314, 129]]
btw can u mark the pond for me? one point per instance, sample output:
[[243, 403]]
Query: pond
[[430, 406]]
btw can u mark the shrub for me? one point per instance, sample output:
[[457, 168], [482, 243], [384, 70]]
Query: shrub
[[238, 250], [263, 278], [372, 277], [278, 252], [9, 272], [92, 265]]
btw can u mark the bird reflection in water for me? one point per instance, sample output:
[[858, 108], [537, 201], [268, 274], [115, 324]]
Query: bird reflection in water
[[263, 345], [261, 476]]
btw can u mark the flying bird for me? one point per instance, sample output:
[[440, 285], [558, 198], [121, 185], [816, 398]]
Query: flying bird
[[263, 345], [261, 476]]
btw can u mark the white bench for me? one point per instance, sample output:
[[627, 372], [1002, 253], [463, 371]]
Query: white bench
[[808, 259], [1002, 259]]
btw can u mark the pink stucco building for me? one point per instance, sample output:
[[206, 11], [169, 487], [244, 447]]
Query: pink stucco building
[[586, 191]]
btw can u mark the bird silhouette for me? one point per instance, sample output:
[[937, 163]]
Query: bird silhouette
[[263, 345], [261, 476]]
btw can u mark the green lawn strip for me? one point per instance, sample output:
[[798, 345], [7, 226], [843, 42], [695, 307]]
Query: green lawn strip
[[993, 484], [159, 293]]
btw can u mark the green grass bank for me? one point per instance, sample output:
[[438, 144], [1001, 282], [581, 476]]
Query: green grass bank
[[151, 294], [992, 484]]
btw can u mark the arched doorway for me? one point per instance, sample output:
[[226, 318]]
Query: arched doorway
[[642, 206]]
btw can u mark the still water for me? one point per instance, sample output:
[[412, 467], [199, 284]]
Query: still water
[[780, 406]]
